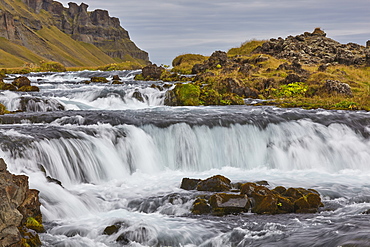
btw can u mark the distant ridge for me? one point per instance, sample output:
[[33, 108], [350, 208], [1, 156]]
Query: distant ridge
[[36, 30]]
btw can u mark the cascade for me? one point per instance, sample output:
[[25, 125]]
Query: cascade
[[108, 157]]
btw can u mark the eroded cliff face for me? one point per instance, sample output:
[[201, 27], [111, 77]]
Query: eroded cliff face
[[35, 23], [20, 215]]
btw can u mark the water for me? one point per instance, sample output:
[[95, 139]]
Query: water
[[120, 155]]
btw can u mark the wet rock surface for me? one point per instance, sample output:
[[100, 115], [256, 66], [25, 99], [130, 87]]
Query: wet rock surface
[[255, 197], [20, 215]]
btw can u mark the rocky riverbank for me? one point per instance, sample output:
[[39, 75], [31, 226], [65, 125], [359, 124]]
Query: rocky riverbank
[[20, 215], [308, 70]]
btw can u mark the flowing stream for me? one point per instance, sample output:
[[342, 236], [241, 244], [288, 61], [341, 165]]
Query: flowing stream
[[113, 154]]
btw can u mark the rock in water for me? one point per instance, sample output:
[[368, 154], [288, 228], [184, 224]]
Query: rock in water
[[20, 210], [216, 183]]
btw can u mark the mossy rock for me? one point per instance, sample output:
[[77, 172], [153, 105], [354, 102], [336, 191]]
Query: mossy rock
[[200, 206], [189, 183], [109, 230], [279, 190], [7, 86], [216, 183], [248, 188], [117, 82], [308, 203], [184, 95], [3, 109], [21, 81], [265, 204], [99, 79], [284, 205], [32, 223], [223, 203], [29, 89]]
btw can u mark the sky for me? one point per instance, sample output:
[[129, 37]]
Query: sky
[[168, 28]]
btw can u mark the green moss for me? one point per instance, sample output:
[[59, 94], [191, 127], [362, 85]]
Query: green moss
[[187, 94], [246, 48], [183, 64], [33, 224], [296, 89]]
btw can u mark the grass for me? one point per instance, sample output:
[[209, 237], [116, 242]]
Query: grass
[[183, 64], [246, 48]]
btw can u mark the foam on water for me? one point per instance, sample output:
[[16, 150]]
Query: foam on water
[[124, 167]]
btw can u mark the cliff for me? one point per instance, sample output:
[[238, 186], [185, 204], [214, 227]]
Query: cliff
[[35, 30], [20, 215]]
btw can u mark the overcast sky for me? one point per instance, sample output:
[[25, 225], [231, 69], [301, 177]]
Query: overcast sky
[[168, 28]]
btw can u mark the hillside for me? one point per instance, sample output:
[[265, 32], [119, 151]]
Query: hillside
[[36, 30], [308, 70]]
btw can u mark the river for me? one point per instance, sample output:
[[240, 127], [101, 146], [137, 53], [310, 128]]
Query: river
[[120, 156]]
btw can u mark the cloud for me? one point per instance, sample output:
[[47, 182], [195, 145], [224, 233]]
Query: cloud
[[166, 28]]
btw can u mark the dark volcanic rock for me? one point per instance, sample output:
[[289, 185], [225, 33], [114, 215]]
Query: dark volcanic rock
[[314, 48], [152, 72], [337, 87]]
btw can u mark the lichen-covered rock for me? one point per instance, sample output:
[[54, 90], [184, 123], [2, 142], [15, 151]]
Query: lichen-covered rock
[[337, 87], [201, 206], [216, 183], [20, 211], [313, 48]]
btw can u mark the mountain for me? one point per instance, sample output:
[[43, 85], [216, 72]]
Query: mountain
[[36, 30]]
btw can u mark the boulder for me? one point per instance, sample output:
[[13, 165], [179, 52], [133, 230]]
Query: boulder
[[218, 58], [189, 183], [21, 81], [313, 48], [152, 72], [116, 78], [216, 183], [201, 206], [336, 87], [308, 203], [254, 197], [29, 89], [7, 86], [99, 79], [223, 203], [109, 230]]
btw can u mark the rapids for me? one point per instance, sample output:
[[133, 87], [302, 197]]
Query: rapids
[[120, 155]]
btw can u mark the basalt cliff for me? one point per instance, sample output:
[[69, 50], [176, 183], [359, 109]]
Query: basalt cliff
[[36, 30]]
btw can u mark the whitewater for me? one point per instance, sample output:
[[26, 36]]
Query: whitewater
[[114, 154]]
